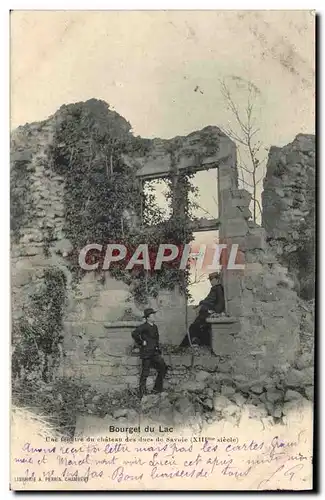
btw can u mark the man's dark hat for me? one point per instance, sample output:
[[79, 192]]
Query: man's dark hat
[[148, 311], [214, 275]]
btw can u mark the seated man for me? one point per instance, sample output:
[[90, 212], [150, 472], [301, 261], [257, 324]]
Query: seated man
[[200, 330], [146, 337]]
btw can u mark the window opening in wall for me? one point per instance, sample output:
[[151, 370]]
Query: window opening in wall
[[205, 198], [202, 250], [157, 206]]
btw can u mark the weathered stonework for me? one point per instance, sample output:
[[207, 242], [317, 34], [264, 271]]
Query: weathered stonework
[[261, 295], [200, 150], [288, 203], [41, 242], [265, 332]]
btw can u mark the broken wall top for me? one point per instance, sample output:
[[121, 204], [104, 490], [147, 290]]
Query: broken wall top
[[200, 150]]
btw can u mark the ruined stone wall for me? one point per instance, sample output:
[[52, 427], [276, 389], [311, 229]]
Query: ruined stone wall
[[261, 295], [37, 237], [288, 203], [39, 243], [97, 342]]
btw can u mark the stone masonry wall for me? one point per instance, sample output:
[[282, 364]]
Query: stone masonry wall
[[289, 209], [38, 240], [260, 295], [38, 243], [97, 344]]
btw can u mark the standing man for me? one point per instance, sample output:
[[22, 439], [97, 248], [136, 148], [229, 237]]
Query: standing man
[[214, 302], [146, 336]]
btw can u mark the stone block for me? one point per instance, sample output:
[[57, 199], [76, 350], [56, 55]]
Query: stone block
[[24, 156], [133, 361], [90, 372], [94, 330], [291, 395], [222, 343], [105, 387], [180, 360], [225, 367], [73, 328], [224, 203], [238, 398], [309, 391], [254, 268], [70, 343], [240, 241], [241, 193], [115, 345], [131, 380], [305, 360], [207, 362], [236, 227], [224, 182], [255, 242], [246, 213], [245, 364], [221, 402], [226, 330], [300, 378], [193, 386], [202, 375], [123, 370], [22, 277], [274, 395], [233, 288], [107, 370], [69, 371], [78, 314], [241, 202], [31, 250], [32, 262], [234, 308]]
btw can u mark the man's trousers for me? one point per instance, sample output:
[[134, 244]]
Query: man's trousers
[[199, 330], [156, 361]]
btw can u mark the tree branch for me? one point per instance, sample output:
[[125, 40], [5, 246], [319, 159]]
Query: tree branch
[[233, 135], [247, 183], [204, 210], [258, 204], [246, 169], [226, 93]]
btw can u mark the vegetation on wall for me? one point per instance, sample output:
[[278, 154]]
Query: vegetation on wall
[[88, 149], [39, 331], [20, 192], [301, 262]]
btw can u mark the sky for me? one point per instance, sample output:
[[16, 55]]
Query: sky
[[147, 65]]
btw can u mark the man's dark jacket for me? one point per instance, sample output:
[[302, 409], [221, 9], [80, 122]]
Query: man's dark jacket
[[149, 334], [215, 300]]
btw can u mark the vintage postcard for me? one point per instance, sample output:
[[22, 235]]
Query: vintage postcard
[[162, 250]]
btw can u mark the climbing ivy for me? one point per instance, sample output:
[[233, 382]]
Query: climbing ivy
[[87, 151], [39, 331], [89, 144]]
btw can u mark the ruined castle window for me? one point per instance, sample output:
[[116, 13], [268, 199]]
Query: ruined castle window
[[205, 198], [202, 250]]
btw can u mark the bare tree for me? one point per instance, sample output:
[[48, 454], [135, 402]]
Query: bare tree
[[198, 278], [244, 131]]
